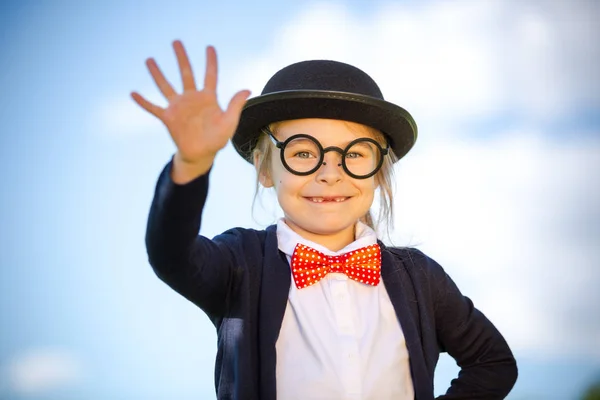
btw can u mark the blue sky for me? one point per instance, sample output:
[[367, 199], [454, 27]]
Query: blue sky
[[502, 187]]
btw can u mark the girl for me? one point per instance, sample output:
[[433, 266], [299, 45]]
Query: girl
[[314, 307]]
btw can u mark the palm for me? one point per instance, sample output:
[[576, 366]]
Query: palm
[[196, 122]]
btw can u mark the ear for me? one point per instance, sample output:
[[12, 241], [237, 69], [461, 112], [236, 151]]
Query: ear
[[264, 177]]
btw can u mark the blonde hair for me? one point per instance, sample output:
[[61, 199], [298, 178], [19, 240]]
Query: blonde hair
[[262, 156]]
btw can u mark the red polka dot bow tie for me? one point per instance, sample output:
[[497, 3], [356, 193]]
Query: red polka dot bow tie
[[309, 266]]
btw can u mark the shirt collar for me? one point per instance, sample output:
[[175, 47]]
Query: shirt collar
[[287, 239]]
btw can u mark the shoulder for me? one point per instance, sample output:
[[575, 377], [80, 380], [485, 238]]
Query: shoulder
[[414, 260], [246, 239], [239, 233], [425, 274], [430, 279], [405, 253]]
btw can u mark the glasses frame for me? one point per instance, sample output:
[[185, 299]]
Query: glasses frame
[[343, 152]]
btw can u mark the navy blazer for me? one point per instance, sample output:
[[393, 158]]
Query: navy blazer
[[241, 280]]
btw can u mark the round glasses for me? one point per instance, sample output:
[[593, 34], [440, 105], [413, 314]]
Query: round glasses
[[303, 155]]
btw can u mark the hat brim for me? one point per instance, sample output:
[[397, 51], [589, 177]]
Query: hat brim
[[393, 121]]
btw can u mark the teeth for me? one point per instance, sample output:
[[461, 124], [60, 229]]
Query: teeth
[[321, 199]]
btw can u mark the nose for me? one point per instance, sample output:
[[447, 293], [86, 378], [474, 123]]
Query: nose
[[331, 170]]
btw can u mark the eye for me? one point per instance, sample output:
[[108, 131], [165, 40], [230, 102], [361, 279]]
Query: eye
[[303, 154], [354, 154], [301, 149], [362, 150]]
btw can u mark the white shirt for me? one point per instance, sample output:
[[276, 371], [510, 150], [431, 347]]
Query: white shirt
[[340, 339]]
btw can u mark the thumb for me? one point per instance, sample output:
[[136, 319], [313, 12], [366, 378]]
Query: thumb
[[235, 106]]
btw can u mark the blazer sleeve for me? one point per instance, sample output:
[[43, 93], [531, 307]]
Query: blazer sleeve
[[200, 269], [488, 369]]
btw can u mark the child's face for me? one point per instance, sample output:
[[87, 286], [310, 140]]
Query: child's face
[[327, 202]]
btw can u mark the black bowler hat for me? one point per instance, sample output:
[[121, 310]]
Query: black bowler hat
[[324, 89]]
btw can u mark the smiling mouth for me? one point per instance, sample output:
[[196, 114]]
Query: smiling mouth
[[337, 199]]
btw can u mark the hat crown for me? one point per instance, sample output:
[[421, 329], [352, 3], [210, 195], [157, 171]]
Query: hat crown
[[323, 75]]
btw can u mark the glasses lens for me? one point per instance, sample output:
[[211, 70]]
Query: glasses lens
[[302, 154], [363, 157]]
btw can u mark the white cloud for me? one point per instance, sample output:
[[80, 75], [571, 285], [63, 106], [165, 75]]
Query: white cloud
[[443, 61], [450, 61], [42, 370]]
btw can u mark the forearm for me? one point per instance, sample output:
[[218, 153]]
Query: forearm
[[196, 267], [488, 367], [174, 219]]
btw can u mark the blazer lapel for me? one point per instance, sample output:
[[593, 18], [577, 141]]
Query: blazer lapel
[[398, 285], [274, 293]]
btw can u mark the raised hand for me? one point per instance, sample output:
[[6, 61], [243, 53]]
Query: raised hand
[[194, 118]]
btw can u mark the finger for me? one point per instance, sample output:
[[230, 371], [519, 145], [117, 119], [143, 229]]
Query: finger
[[146, 105], [165, 87], [210, 79], [185, 68], [235, 106]]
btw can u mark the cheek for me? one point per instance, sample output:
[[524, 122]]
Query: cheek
[[287, 185], [368, 192], [368, 187]]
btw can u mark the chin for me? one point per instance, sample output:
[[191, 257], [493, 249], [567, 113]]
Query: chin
[[327, 228]]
